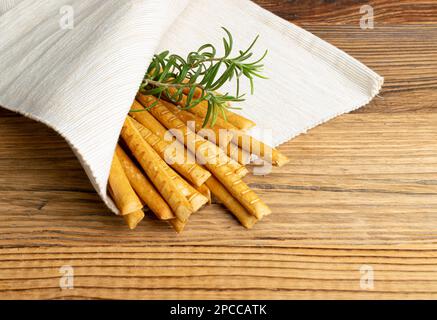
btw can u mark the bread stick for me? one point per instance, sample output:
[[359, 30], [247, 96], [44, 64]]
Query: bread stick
[[145, 190], [121, 191], [146, 119], [220, 192], [253, 146], [134, 218], [151, 163], [207, 152], [178, 225], [191, 171], [203, 189], [216, 154]]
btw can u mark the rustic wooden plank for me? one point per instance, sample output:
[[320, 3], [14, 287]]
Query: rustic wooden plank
[[405, 55], [235, 272], [360, 190], [348, 11]]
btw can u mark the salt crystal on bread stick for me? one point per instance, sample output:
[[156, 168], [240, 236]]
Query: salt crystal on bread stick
[[134, 218], [191, 171], [213, 149], [145, 190], [121, 191], [223, 195], [151, 163], [207, 153]]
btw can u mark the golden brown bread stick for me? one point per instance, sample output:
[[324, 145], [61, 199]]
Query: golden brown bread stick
[[207, 153], [121, 191], [203, 189], [134, 218], [146, 119], [216, 154], [242, 139], [223, 195], [222, 136], [196, 199], [191, 171], [262, 150], [237, 120], [178, 225], [151, 163], [238, 154], [145, 190]]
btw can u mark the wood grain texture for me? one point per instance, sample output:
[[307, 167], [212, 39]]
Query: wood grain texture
[[360, 190], [329, 12]]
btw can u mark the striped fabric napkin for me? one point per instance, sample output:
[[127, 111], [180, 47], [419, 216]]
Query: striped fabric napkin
[[76, 65]]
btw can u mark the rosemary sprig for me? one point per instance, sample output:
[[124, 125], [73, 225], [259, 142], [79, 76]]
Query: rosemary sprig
[[203, 71]]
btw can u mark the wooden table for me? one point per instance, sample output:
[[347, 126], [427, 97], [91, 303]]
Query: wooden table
[[359, 196]]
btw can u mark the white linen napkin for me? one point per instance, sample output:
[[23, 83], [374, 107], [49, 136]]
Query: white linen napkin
[[76, 65]]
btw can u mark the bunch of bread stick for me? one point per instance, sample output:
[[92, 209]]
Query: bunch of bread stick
[[169, 162]]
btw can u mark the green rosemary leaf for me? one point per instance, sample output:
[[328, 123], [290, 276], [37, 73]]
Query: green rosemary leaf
[[208, 113], [190, 95], [153, 91], [163, 54], [259, 75], [229, 43], [136, 110], [222, 110], [228, 48], [252, 45], [207, 46], [183, 73], [224, 78], [260, 59], [211, 74], [166, 70], [252, 85], [193, 104], [214, 114]]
